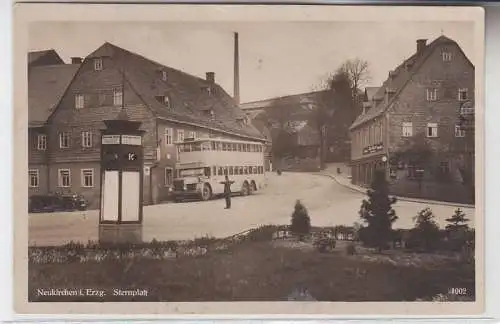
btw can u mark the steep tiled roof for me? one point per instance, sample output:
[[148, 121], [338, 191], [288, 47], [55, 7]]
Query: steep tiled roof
[[398, 80], [46, 86], [190, 101]]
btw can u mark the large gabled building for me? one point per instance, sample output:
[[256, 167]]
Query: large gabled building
[[171, 104], [411, 126]]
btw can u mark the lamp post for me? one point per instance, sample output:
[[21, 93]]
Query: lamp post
[[120, 216]]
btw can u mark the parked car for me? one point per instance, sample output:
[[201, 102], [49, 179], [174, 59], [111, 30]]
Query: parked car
[[56, 202]]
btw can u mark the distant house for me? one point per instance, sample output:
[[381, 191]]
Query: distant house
[[411, 126], [68, 103], [44, 58]]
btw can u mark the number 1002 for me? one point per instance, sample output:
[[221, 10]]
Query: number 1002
[[457, 291]]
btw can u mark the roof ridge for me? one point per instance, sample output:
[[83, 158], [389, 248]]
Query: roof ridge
[[283, 97], [137, 55], [415, 68]]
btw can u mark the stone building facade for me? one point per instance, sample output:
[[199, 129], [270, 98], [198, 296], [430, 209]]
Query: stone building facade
[[411, 126], [172, 105]]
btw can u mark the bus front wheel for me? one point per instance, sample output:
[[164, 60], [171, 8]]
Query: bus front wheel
[[206, 194]]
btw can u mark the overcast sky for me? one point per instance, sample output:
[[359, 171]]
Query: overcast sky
[[276, 59]]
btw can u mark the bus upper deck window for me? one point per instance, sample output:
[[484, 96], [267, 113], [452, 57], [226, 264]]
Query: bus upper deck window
[[207, 171]]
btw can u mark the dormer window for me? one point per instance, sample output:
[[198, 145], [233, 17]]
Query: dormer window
[[164, 75], [98, 64], [206, 89], [164, 100]]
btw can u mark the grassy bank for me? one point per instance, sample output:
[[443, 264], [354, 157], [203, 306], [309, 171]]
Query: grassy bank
[[256, 270]]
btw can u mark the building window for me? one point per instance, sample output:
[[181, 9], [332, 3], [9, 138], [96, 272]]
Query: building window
[[407, 129], [164, 100], [459, 131], [64, 178], [87, 139], [446, 56], [192, 134], [79, 101], [164, 75], [117, 97], [432, 130], [431, 94], [87, 178], [180, 135], [462, 94], [41, 142], [34, 178], [168, 136], [169, 176], [64, 140], [98, 64]]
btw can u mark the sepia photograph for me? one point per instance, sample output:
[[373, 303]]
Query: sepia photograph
[[239, 160]]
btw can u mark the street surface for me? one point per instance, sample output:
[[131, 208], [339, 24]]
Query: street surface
[[328, 203]]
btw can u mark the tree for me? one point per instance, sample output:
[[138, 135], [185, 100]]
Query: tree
[[458, 230], [425, 234], [378, 213], [301, 223], [358, 71], [457, 221]]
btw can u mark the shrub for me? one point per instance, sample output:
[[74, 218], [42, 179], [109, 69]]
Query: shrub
[[457, 230], [301, 223], [378, 213]]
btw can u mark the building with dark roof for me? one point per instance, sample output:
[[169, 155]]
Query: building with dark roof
[[411, 126], [68, 104]]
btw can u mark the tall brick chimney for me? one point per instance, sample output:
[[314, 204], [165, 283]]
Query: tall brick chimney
[[76, 60], [421, 44], [236, 92], [210, 76]]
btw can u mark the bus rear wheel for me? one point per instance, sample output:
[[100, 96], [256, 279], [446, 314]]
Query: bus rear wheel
[[245, 190], [206, 193]]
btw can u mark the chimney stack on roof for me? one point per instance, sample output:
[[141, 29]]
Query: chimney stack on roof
[[421, 44], [210, 77], [76, 60]]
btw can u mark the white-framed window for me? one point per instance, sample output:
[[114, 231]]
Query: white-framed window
[[64, 178], [180, 135], [166, 101], [169, 176], [167, 136], [432, 129], [41, 142], [87, 178], [79, 101], [459, 131], [463, 94], [407, 129], [34, 178], [164, 75], [192, 134], [117, 97], [446, 56], [432, 94], [98, 64], [64, 140], [87, 139]]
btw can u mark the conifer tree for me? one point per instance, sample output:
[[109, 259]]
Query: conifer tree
[[426, 232], [457, 221], [301, 223], [378, 214]]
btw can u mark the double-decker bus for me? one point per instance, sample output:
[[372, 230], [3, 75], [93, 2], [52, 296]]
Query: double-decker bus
[[203, 164]]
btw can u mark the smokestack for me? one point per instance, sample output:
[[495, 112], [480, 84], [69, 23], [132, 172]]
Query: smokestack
[[236, 93]]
